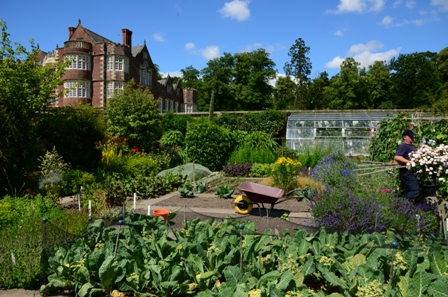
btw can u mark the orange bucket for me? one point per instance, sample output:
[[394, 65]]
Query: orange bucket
[[161, 213]]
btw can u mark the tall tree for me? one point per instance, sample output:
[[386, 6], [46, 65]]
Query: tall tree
[[317, 100], [251, 87], [347, 89], [299, 68], [240, 81], [191, 77], [300, 65], [284, 93], [415, 80], [25, 89], [379, 84], [441, 105], [218, 77]]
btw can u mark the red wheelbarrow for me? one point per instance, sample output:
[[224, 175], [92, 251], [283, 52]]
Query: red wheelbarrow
[[260, 194]]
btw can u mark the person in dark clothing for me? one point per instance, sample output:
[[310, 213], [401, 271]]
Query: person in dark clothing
[[408, 179]]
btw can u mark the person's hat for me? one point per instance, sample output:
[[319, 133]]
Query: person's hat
[[408, 133]]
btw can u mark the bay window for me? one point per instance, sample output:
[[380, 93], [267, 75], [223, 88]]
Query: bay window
[[114, 88], [81, 62], [77, 89]]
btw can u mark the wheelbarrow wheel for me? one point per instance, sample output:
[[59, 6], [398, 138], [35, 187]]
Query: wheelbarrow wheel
[[243, 205]]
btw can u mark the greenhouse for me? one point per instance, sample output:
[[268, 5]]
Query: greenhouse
[[347, 130]]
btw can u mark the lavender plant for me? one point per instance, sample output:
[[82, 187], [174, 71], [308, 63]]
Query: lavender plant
[[367, 203], [336, 170], [342, 209]]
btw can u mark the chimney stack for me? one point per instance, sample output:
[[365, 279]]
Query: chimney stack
[[127, 37], [71, 30]]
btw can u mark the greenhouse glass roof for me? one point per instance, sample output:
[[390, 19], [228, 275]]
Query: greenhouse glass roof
[[349, 130]]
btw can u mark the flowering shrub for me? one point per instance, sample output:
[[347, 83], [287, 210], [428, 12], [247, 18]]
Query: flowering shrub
[[335, 169], [430, 163], [364, 203], [112, 159], [342, 209], [285, 173]]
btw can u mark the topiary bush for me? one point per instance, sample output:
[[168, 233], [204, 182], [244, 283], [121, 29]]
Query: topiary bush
[[207, 144]]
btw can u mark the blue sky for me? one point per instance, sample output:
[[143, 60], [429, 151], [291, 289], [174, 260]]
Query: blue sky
[[184, 33]]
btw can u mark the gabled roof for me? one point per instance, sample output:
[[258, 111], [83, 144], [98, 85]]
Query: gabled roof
[[137, 49], [94, 36], [178, 84], [165, 81]]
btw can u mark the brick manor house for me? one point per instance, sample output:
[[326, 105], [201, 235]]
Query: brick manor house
[[101, 67]]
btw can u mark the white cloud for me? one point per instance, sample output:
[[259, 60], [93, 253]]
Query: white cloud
[[397, 3], [210, 52], [442, 3], [338, 33], [273, 81], [159, 37], [171, 74], [387, 21], [366, 54], [410, 4], [236, 9], [417, 22], [377, 5], [360, 6], [363, 47], [252, 47], [190, 47]]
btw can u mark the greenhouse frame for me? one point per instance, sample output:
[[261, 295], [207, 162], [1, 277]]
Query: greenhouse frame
[[348, 130]]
